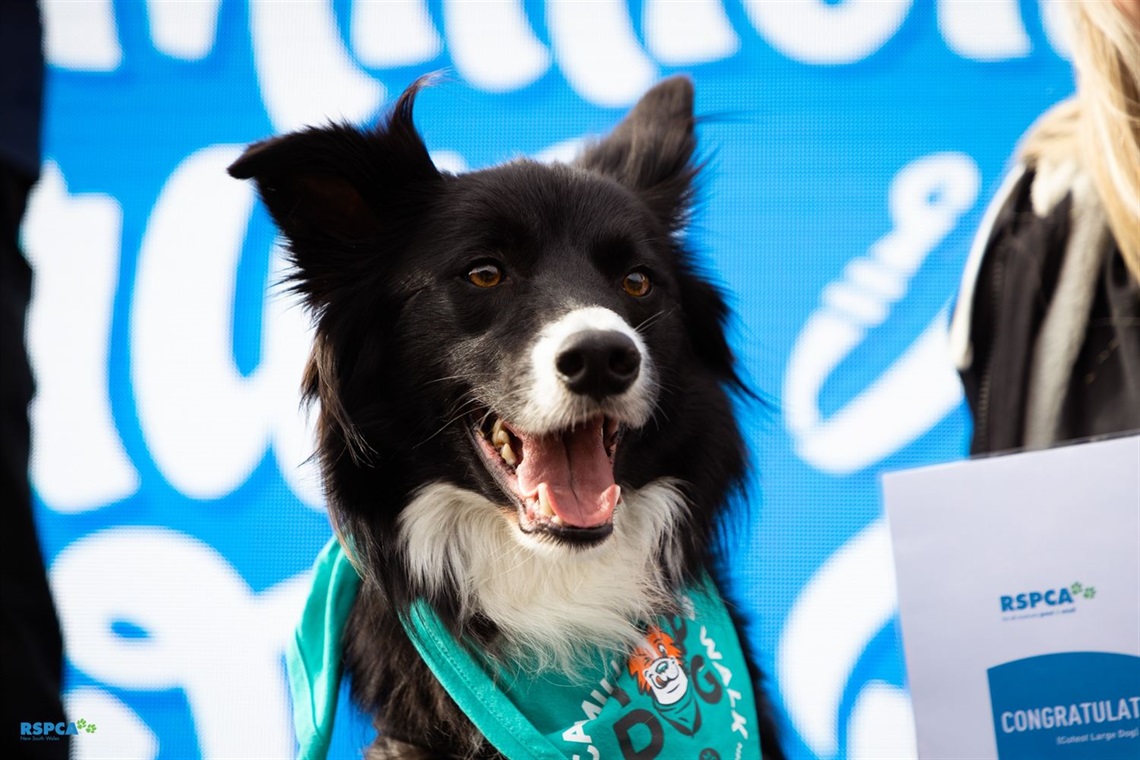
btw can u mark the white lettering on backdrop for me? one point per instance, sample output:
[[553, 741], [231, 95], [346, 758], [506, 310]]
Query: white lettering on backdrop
[[494, 48], [206, 425], [853, 591], [170, 613], [78, 462], [927, 198]]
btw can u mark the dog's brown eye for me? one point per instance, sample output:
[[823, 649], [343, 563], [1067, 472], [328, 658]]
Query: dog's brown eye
[[485, 275], [636, 283]]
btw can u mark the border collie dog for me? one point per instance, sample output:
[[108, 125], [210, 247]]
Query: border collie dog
[[524, 396]]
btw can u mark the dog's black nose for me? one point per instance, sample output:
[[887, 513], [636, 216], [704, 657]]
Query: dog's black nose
[[598, 363]]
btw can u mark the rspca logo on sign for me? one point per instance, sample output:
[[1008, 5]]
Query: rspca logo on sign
[[49, 731], [1051, 601]]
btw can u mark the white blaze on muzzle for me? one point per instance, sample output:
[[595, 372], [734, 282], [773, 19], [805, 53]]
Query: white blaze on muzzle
[[552, 403], [590, 375]]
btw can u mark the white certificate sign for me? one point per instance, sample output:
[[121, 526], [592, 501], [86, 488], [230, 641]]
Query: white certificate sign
[[1019, 598]]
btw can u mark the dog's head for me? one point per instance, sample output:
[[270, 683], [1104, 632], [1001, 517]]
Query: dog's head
[[536, 334]]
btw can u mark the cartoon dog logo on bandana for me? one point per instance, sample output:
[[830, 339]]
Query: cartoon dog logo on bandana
[[658, 666]]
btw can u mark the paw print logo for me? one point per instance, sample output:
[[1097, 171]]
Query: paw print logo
[[1090, 592], [82, 724], [1076, 588]]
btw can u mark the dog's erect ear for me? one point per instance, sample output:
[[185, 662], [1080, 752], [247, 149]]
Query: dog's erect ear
[[307, 195], [329, 188], [651, 150]]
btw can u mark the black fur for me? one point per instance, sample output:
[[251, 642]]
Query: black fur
[[381, 243]]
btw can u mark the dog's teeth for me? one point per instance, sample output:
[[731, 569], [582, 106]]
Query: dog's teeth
[[499, 435], [508, 455], [544, 509], [556, 520]]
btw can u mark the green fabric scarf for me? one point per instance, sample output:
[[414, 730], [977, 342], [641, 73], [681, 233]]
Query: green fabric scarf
[[685, 692]]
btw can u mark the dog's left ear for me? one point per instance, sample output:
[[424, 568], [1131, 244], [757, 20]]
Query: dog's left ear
[[337, 181], [651, 150], [342, 196]]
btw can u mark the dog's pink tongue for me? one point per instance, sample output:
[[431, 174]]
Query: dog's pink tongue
[[577, 475]]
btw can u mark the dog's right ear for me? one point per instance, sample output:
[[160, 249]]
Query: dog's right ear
[[651, 150], [334, 191]]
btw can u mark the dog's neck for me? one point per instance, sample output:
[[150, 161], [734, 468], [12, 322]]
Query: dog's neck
[[551, 604]]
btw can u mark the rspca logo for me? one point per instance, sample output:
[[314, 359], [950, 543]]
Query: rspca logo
[[49, 731], [1045, 603]]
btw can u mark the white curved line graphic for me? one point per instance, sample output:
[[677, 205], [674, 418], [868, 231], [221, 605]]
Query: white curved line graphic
[[984, 30], [393, 33], [81, 36], [853, 592], [183, 30], [818, 32], [829, 32], [598, 52], [696, 31], [492, 44], [927, 198], [918, 390], [881, 726], [78, 460], [304, 71]]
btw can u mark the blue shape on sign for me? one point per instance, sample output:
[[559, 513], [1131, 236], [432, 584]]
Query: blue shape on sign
[[1070, 705]]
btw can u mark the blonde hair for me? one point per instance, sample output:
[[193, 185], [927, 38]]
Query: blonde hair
[[1100, 126]]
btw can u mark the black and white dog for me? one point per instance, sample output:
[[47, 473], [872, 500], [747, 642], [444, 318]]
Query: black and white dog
[[524, 389]]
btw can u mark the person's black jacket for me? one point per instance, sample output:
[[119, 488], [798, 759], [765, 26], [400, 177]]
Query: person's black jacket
[[1047, 327]]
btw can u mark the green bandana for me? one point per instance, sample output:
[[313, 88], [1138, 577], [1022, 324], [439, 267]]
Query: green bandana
[[685, 692]]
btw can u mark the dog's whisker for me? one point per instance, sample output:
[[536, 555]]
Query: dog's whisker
[[456, 416], [446, 379], [652, 319]]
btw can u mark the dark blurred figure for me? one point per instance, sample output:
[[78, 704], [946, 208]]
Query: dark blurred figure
[[31, 648]]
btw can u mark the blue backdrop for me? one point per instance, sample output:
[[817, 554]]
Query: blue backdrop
[[853, 145]]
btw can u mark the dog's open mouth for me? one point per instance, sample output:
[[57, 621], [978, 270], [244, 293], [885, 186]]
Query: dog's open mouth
[[561, 482]]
